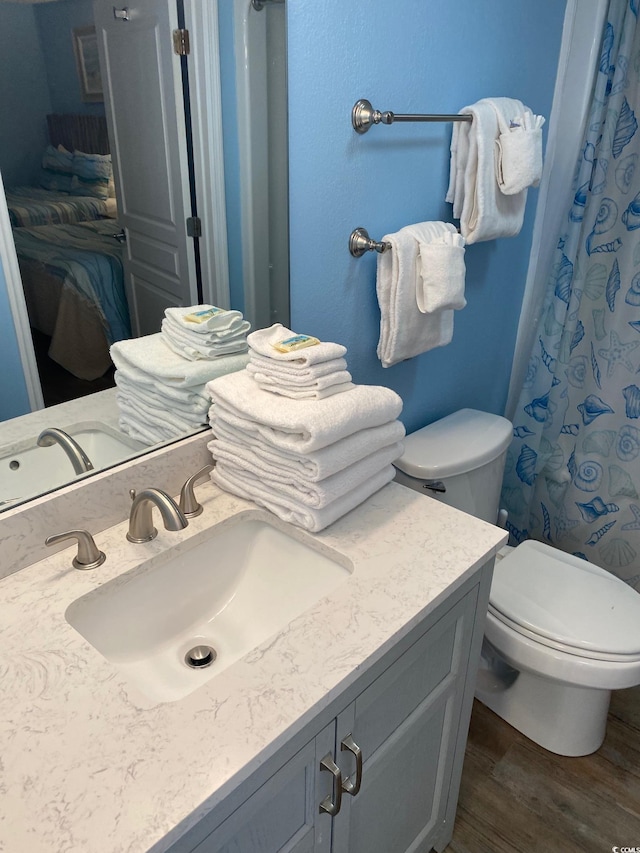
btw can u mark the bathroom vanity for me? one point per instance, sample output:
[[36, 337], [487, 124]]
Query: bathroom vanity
[[343, 731]]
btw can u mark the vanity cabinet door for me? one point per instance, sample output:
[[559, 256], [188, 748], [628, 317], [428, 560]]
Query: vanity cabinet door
[[406, 725], [283, 815]]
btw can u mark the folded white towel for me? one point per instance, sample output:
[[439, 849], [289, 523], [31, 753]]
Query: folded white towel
[[311, 493], [221, 322], [200, 338], [313, 466], [314, 520], [518, 153], [303, 425], [146, 433], [306, 393], [153, 415], [193, 404], [291, 373], [485, 213], [152, 355], [322, 386], [404, 331], [262, 342], [183, 344], [441, 280], [140, 379]]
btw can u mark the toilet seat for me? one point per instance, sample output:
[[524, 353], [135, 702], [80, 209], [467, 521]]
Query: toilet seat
[[566, 604]]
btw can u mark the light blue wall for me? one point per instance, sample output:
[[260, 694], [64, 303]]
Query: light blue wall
[[24, 97], [13, 391], [231, 152], [408, 56], [55, 24]]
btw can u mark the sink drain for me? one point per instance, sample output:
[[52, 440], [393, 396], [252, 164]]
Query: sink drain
[[200, 656]]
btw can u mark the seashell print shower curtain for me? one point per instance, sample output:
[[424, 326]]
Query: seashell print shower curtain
[[572, 477]]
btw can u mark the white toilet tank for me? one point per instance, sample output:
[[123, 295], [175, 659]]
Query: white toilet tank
[[465, 452]]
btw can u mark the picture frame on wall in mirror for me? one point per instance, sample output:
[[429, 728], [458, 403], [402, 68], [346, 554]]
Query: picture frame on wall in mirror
[[85, 46]]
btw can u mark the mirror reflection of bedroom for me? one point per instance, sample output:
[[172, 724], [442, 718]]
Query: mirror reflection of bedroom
[[56, 167]]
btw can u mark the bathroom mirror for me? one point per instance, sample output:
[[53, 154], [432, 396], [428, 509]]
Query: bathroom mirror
[[247, 41]]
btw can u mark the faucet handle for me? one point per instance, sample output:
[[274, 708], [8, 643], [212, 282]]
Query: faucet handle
[[89, 555], [188, 501]]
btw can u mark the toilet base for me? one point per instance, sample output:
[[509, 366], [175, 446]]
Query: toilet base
[[562, 718]]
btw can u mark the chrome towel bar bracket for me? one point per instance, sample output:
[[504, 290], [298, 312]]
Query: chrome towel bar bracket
[[363, 116], [360, 243]]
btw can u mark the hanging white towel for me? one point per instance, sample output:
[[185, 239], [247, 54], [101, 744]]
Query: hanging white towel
[[152, 355], [485, 213], [263, 342], [518, 153], [404, 330], [303, 425], [315, 465], [310, 519], [441, 280]]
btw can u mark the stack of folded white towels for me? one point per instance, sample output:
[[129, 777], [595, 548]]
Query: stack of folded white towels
[[204, 331], [160, 392], [285, 440]]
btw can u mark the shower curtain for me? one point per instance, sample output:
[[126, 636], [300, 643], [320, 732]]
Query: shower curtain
[[572, 476]]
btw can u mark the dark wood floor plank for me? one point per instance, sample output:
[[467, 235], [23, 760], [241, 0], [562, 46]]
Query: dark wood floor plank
[[517, 797]]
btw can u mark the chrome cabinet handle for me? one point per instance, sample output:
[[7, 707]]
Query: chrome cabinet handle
[[121, 14], [348, 744], [331, 803]]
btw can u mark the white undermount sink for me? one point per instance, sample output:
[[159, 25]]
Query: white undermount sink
[[242, 583], [27, 470]]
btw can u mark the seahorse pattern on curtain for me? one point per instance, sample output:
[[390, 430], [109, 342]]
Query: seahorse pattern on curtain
[[573, 470]]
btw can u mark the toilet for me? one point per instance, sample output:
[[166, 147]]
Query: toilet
[[561, 633]]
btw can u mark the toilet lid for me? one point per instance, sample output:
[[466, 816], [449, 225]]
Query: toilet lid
[[566, 600]]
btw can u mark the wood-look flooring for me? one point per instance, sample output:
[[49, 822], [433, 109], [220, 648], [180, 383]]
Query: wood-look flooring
[[518, 798]]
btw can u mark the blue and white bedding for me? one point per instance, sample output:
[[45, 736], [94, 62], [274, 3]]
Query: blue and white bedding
[[34, 206], [87, 258]]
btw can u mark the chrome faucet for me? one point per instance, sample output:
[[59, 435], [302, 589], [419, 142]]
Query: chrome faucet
[[141, 527], [78, 458]]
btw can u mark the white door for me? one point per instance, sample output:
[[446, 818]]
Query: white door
[[142, 84]]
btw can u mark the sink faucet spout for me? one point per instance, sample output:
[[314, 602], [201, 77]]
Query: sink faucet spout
[[141, 527], [78, 458]]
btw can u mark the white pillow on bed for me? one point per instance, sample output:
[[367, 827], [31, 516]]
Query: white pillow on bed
[[57, 169], [91, 174]]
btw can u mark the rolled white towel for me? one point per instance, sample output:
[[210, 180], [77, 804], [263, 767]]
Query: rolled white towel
[[231, 480], [311, 493], [220, 321], [300, 425], [313, 466], [263, 342], [152, 355]]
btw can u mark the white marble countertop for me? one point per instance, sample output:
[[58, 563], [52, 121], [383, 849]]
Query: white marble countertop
[[88, 764]]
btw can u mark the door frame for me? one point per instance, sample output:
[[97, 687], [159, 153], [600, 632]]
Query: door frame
[[206, 99]]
